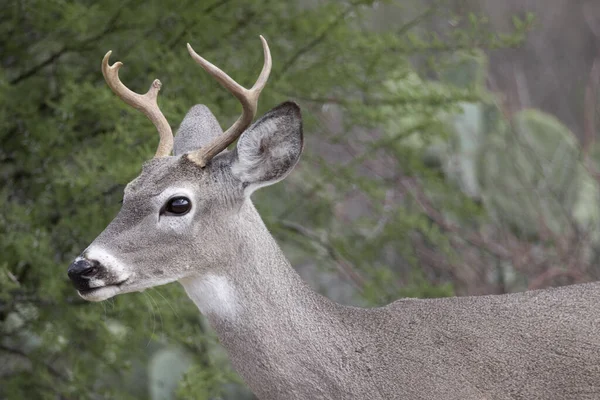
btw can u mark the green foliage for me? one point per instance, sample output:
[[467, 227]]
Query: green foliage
[[68, 147], [211, 383]]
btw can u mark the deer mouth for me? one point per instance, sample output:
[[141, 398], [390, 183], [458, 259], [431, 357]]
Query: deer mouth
[[100, 293]]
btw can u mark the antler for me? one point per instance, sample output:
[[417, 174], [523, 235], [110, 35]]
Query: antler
[[248, 98], [145, 103]]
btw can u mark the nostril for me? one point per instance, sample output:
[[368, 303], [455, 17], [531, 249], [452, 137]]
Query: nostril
[[83, 269], [89, 272]]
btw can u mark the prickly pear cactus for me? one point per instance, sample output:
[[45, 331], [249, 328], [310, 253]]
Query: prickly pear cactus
[[460, 161], [468, 127], [594, 158], [165, 371], [530, 173], [587, 207]]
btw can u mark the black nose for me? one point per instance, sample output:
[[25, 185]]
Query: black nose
[[81, 271]]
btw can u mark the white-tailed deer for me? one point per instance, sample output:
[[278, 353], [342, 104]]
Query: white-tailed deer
[[188, 218]]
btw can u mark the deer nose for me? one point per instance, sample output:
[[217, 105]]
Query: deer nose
[[82, 270]]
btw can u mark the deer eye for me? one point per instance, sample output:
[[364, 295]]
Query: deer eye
[[177, 206]]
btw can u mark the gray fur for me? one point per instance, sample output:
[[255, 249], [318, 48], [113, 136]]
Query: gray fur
[[197, 129], [289, 342]]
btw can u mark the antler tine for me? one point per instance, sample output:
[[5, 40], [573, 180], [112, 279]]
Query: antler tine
[[146, 103], [247, 97]]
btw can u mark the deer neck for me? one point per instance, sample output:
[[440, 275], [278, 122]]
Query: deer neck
[[265, 315], [257, 292]]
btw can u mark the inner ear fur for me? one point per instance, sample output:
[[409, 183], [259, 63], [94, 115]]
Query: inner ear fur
[[268, 150]]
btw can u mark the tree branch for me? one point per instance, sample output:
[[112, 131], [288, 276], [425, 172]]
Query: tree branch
[[21, 353], [343, 266], [318, 39], [109, 28]]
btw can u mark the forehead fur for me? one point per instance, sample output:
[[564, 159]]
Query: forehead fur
[[159, 173]]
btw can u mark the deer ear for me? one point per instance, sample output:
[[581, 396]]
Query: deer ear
[[197, 129], [268, 150]]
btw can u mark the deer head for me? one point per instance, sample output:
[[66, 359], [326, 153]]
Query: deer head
[[178, 215]]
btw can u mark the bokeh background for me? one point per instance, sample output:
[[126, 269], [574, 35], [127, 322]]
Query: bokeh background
[[450, 150]]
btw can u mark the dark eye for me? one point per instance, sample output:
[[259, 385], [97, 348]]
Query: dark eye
[[177, 206]]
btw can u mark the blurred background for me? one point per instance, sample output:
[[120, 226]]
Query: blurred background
[[450, 150]]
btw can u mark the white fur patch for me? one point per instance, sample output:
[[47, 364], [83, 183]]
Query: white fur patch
[[212, 294], [113, 266], [101, 294], [95, 282]]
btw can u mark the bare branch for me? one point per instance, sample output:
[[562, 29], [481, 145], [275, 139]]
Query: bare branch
[[342, 264]]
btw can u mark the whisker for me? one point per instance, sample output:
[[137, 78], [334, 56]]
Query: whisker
[[105, 312], [153, 319], [167, 301], [162, 323]]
